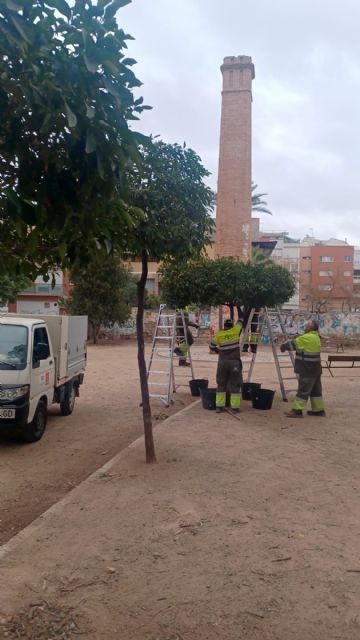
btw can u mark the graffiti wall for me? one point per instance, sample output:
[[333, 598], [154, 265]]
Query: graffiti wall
[[331, 323]]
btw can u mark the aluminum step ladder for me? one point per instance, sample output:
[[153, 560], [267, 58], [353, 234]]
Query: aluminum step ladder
[[244, 340], [161, 373], [271, 324]]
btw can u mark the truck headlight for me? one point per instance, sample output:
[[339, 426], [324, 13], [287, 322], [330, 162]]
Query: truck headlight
[[12, 393]]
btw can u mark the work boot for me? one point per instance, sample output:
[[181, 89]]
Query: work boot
[[322, 413], [220, 409], [294, 413], [236, 410]]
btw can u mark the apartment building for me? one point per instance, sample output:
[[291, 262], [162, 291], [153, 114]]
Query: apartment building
[[327, 276], [323, 271]]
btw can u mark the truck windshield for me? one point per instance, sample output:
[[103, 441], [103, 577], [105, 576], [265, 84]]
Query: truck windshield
[[13, 346]]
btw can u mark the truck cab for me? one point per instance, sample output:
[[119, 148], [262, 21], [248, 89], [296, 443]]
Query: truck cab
[[42, 361]]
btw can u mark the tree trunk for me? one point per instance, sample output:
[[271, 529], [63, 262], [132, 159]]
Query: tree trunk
[[95, 329], [148, 432]]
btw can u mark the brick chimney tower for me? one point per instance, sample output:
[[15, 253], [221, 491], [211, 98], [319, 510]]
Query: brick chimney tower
[[233, 211]]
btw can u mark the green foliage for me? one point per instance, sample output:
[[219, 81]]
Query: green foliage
[[65, 102], [102, 291], [10, 287], [169, 188], [152, 301], [225, 282], [130, 290]]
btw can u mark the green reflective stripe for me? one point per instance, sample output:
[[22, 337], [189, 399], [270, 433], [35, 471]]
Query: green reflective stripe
[[298, 404], [317, 404], [220, 399], [183, 349], [235, 400]]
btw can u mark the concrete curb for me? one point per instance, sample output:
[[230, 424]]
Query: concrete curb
[[31, 528]]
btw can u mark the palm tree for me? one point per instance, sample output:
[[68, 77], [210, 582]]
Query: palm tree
[[257, 204]]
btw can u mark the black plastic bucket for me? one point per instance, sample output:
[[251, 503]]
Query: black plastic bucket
[[197, 384], [248, 388], [262, 398], [208, 398]]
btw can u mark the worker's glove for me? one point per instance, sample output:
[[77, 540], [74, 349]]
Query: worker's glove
[[282, 348]]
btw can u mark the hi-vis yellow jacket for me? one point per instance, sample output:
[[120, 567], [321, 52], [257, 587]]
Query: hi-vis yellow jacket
[[307, 358], [226, 343]]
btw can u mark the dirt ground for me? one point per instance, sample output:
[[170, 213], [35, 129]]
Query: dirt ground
[[107, 418], [246, 529]]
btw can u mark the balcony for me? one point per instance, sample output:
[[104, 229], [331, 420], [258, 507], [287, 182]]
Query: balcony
[[43, 288]]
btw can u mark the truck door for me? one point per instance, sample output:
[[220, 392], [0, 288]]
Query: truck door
[[43, 368]]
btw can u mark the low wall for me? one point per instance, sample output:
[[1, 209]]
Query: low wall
[[330, 324]]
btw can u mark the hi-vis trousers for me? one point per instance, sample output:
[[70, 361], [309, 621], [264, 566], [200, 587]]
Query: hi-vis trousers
[[228, 374], [309, 386]]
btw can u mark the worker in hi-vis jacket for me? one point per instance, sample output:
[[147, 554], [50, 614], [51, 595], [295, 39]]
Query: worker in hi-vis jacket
[[229, 370], [308, 367]]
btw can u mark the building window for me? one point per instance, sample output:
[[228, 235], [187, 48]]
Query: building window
[[347, 273], [326, 259], [347, 258], [325, 287], [325, 273]]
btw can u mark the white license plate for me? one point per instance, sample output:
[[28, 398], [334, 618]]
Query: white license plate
[[6, 414]]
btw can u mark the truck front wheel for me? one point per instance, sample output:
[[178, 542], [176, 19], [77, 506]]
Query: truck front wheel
[[68, 403], [33, 431]]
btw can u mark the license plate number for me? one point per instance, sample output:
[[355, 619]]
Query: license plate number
[[6, 414]]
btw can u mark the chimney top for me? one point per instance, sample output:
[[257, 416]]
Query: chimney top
[[238, 62]]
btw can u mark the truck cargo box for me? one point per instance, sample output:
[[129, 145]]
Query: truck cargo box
[[69, 337]]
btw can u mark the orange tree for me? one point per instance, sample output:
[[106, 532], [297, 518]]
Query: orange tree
[[169, 188], [224, 281]]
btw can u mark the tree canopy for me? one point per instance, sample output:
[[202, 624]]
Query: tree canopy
[[66, 98], [224, 281], [169, 187], [103, 291]]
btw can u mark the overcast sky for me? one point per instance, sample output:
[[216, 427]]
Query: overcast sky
[[306, 97]]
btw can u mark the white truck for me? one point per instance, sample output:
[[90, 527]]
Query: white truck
[[42, 361]]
